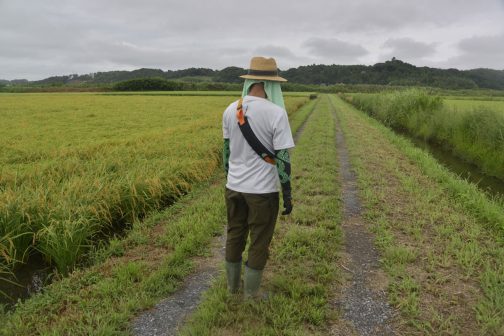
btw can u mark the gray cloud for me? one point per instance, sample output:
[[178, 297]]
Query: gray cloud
[[335, 49], [285, 56], [484, 44], [52, 37], [408, 49], [392, 15], [275, 51], [480, 51]]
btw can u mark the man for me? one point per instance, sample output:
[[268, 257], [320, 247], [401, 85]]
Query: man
[[257, 136]]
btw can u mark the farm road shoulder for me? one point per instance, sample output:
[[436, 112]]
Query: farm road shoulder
[[441, 251]]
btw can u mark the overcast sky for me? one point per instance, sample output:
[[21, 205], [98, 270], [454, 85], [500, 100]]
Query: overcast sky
[[40, 38]]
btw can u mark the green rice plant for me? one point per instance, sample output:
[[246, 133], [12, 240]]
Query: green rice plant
[[64, 241], [16, 236], [9, 251], [6, 276]]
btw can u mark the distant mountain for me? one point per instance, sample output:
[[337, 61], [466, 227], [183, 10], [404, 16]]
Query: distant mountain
[[14, 81], [119, 76], [393, 72]]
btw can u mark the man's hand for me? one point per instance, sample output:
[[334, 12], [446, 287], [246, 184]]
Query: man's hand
[[287, 200]]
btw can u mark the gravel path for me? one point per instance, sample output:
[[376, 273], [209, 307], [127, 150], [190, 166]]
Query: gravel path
[[365, 307], [168, 315]]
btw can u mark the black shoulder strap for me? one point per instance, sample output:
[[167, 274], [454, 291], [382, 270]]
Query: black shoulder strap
[[250, 136]]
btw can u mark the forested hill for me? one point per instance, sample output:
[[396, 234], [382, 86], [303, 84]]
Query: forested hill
[[393, 72], [396, 72]]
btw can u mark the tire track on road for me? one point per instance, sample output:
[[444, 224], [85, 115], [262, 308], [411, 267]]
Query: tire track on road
[[364, 306]]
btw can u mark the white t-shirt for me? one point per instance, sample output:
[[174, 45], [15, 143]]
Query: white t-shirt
[[249, 173]]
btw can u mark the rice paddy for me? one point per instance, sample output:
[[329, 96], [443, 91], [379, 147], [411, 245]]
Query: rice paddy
[[76, 168], [476, 104]]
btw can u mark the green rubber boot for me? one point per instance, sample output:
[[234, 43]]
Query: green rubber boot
[[233, 270], [252, 282]]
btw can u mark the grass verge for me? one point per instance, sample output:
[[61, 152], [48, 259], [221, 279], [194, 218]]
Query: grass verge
[[440, 238], [472, 133], [304, 251]]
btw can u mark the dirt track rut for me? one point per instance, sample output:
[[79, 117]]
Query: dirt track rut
[[364, 307]]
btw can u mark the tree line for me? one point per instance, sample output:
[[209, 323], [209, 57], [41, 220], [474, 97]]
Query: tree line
[[389, 73]]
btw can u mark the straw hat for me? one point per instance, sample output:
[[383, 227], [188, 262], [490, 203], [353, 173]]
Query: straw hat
[[263, 68]]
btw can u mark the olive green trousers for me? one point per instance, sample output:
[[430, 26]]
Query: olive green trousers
[[255, 214]]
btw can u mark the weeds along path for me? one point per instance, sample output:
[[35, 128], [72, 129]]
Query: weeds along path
[[363, 299], [167, 316], [156, 258], [304, 252], [441, 250]]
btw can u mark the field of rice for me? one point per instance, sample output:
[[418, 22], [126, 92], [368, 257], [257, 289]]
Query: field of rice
[[478, 104], [75, 168]]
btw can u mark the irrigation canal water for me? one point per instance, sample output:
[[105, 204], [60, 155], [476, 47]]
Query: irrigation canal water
[[31, 277], [468, 171], [28, 279]]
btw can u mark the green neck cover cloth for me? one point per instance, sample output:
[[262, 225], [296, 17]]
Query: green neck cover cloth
[[272, 88]]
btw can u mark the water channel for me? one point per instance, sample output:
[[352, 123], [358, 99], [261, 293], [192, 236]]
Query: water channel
[[491, 185]]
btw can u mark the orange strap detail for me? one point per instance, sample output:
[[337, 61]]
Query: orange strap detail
[[241, 120], [269, 160], [239, 112]]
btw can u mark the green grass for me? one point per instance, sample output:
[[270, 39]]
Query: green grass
[[473, 130], [440, 237], [304, 251]]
